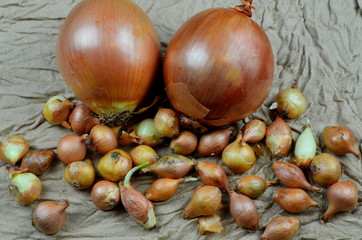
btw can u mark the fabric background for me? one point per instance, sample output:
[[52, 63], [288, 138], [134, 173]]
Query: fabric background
[[316, 42]]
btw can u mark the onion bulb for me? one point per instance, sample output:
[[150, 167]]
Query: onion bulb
[[281, 228], [167, 123], [325, 169], [37, 161], [279, 137], [305, 147], [212, 174], [254, 186], [340, 140], [214, 142], [13, 148], [210, 224], [81, 120], [49, 216], [72, 148], [185, 143], [108, 53], [294, 200], [115, 165], [147, 132], [105, 195], [80, 174], [291, 102], [142, 154], [342, 197], [56, 110], [103, 139], [238, 156], [253, 131], [200, 60]]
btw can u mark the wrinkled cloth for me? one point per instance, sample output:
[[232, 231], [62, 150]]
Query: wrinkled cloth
[[317, 43]]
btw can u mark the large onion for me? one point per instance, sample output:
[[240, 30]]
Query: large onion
[[108, 53], [219, 66]]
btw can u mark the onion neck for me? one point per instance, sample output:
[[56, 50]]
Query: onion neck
[[245, 7], [127, 179]]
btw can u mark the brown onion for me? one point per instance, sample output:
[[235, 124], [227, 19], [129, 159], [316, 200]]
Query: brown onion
[[80, 174], [171, 166], [243, 210], [142, 154], [281, 228], [37, 161], [205, 201], [340, 140], [115, 165], [238, 156], [254, 186], [292, 176], [325, 169], [105, 195], [164, 188], [81, 119], [210, 224], [214, 142], [56, 110], [24, 188], [254, 131], [108, 53], [49, 216], [167, 123], [185, 143], [72, 148], [135, 203], [212, 174], [279, 137], [294, 200], [200, 60], [13, 148], [342, 197], [103, 139]]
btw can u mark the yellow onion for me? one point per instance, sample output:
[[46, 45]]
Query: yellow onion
[[325, 169], [49, 216], [146, 130], [291, 102], [80, 174], [210, 224], [342, 197], [24, 188], [37, 161], [279, 137], [81, 120], [305, 147], [294, 200], [115, 165], [103, 139], [254, 131], [72, 148], [171, 166], [185, 143], [214, 142], [212, 174], [254, 186], [340, 140], [135, 203], [238, 156], [164, 188], [56, 110], [108, 53], [142, 154], [166, 122], [205, 201], [105, 195], [13, 148], [281, 228]]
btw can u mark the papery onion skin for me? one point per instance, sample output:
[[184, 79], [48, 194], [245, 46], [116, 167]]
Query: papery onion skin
[[214, 142], [223, 52], [80, 174], [108, 53], [142, 154], [294, 200], [13, 148], [281, 228], [72, 148], [325, 169], [103, 139], [37, 161], [57, 109], [254, 131], [81, 119], [115, 165], [212, 174], [210, 224], [25, 188], [279, 137], [185, 143], [342, 197], [340, 140], [291, 102], [105, 195]]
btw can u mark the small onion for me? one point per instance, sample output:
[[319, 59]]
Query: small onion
[[115, 165], [281, 228], [325, 169], [108, 53], [342, 197], [80, 174], [37, 161], [57, 109], [105, 195], [167, 123], [254, 131], [142, 154], [238, 156], [215, 79], [279, 137], [185, 143], [294, 200], [214, 142], [146, 130], [103, 139], [49, 216], [212, 174], [13, 148], [210, 224], [305, 147], [254, 186], [81, 120], [340, 140], [72, 148]]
